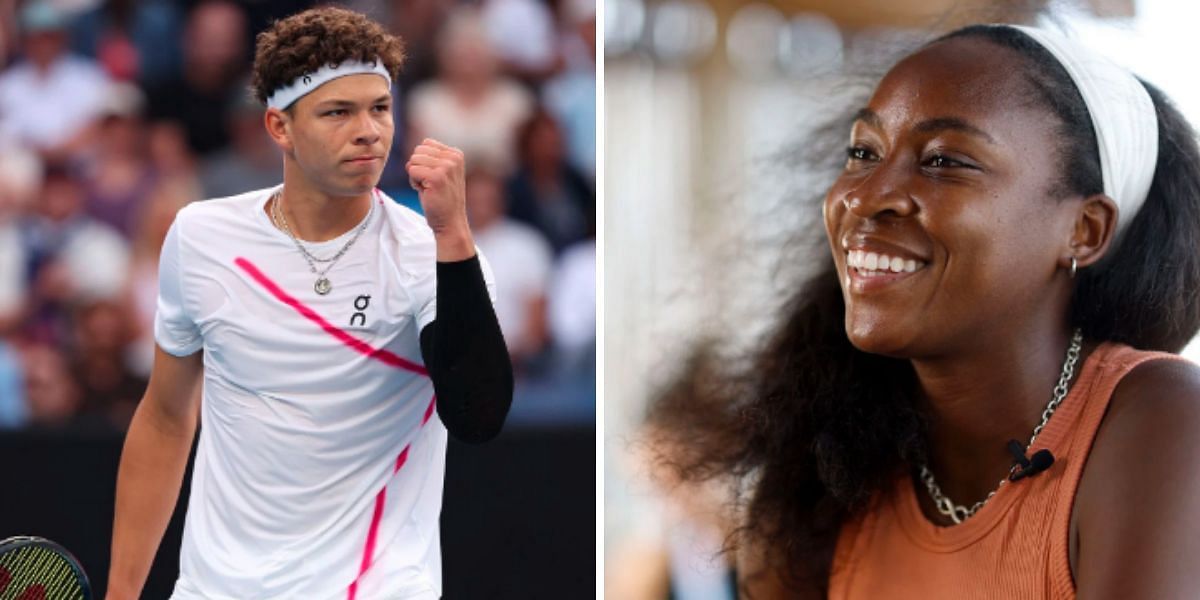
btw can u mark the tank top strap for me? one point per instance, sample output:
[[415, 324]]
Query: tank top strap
[[1110, 364]]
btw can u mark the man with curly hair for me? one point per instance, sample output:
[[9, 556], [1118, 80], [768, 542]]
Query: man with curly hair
[[321, 317]]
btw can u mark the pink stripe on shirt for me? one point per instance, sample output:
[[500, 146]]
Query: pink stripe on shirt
[[362, 347]]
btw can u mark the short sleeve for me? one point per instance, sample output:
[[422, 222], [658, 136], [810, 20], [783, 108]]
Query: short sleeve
[[427, 295], [174, 330]]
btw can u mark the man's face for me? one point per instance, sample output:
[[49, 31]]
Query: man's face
[[485, 199], [44, 47], [61, 198], [215, 37], [341, 134]]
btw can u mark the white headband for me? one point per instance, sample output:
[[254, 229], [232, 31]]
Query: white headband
[[286, 95], [1123, 117]]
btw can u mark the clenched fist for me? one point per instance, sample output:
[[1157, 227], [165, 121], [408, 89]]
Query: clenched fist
[[438, 173]]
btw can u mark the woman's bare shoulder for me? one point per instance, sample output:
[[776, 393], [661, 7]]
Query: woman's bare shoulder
[[1138, 505]]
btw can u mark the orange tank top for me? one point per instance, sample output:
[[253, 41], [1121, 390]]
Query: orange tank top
[[1015, 546]]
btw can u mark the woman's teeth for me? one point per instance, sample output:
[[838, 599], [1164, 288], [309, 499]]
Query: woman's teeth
[[871, 264]]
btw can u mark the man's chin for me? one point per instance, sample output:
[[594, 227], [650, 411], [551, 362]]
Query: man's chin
[[358, 185]]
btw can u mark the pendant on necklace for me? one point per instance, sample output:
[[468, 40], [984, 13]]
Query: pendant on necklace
[[323, 286]]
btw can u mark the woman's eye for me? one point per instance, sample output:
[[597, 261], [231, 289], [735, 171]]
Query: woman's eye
[[859, 153], [939, 161]]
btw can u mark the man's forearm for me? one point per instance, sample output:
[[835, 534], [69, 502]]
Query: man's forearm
[[152, 465], [466, 355]]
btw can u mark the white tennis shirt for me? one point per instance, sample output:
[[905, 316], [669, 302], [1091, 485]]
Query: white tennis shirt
[[321, 458]]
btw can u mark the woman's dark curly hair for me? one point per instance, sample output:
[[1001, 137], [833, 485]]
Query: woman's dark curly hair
[[303, 42], [810, 428]]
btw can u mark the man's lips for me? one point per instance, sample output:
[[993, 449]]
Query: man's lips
[[362, 159]]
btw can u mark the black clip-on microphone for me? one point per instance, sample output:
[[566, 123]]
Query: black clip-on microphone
[[1028, 467]]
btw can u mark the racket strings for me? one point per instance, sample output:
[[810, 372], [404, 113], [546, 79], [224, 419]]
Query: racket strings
[[36, 573]]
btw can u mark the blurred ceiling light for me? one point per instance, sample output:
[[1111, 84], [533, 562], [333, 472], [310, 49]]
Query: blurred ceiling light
[[682, 31], [810, 44], [753, 39], [624, 21]]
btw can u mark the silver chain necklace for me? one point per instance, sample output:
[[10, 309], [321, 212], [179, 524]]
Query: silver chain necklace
[[959, 513], [322, 285]]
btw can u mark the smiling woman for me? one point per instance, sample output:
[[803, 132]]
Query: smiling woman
[[962, 403]]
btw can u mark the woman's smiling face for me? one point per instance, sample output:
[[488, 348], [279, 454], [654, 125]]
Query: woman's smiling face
[[943, 224]]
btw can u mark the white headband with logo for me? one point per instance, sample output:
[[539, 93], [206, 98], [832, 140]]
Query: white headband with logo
[[286, 95], [1123, 117]]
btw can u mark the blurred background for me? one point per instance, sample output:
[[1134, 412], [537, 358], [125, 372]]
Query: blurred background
[[725, 122], [114, 115]]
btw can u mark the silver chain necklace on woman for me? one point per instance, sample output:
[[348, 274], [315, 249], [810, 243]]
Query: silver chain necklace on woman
[[959, 513], [322, 285]]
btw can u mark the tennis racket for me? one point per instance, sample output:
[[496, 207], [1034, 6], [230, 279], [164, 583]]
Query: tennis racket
[[33, 568]]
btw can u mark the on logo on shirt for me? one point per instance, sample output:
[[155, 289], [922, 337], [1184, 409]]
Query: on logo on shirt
[[360, 304]]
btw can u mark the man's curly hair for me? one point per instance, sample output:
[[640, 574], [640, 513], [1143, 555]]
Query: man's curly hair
[[302, 43]]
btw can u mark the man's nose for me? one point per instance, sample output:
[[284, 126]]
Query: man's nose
[[368, 129]]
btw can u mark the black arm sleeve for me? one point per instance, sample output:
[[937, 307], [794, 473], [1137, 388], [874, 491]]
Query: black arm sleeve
[[466, 355]]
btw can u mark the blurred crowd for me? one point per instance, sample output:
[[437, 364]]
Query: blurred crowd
[[114, 115]]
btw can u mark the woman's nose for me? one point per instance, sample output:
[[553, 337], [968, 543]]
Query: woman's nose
[[884, 191]]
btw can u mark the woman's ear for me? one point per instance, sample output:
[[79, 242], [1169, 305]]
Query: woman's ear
[[1095, 228], [279, 126]]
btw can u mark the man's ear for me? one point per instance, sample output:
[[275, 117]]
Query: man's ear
[[1094, 230], [279, 126]]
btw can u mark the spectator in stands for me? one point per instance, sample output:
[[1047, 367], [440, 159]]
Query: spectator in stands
[[470, 105], [572, 308], [172, 159], [133, 40], [214, 62], [251, 161], [546, 192], [521, 260], [52, 395], [72, 257], [571, 95], [48, 99], [523, 34], [20, 183], [8, 31], [419, 23], [109, 390], [118, 177], [20, 176]]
